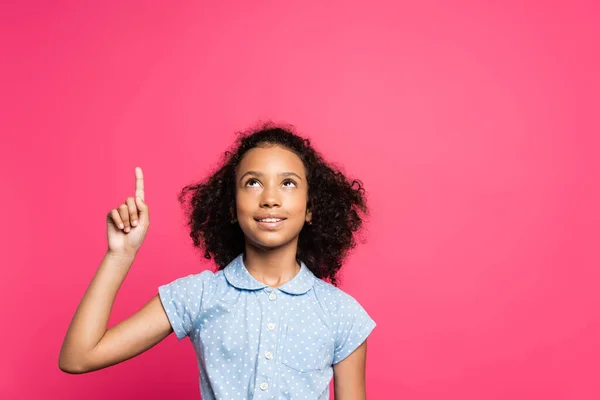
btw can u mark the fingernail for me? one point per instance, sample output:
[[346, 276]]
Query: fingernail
[[127, 229], [120, 226], [134, 223]]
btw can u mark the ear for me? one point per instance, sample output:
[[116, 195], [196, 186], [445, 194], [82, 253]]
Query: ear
[[309, 216]]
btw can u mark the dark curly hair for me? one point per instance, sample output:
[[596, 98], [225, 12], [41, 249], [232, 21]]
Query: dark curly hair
[[338, 205]]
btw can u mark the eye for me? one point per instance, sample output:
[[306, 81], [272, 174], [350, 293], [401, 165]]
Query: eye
[[290, 181], [249, 181]]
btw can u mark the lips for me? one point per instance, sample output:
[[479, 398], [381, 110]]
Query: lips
[[270, 222], [269, 218]]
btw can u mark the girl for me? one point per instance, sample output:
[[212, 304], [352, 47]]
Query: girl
[[278, 221]]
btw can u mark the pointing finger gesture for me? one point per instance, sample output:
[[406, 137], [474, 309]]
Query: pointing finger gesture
[[139, 183], [128, 223]]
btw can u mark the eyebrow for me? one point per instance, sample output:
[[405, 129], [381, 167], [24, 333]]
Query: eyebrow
[[260, 174]]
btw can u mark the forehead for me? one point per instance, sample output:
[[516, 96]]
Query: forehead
[[271, 159]]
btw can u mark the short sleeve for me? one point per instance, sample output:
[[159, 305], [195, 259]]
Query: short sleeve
[[182, 301], [353, 326]]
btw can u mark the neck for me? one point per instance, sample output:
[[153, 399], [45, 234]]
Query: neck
[[273, 267]]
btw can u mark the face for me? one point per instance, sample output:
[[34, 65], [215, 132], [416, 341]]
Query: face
[[271, 197]]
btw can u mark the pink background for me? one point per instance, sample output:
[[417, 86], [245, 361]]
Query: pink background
[[474, 127]]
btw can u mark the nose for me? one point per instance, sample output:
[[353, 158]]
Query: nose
[[270, 198]]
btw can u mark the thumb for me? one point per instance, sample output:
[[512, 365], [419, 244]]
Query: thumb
[[143, 208]]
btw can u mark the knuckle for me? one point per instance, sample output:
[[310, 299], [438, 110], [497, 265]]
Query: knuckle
[[131, 205]]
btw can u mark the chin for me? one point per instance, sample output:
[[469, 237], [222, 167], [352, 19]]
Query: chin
[[268, 243]]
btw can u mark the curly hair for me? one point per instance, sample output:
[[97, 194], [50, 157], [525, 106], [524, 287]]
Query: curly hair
[[338, 205]]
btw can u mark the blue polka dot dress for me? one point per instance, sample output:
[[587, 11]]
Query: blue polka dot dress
[[257, 342]]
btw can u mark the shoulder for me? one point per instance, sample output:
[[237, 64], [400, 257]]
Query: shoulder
[[203, 278], [200, 284], [350, 321], [334, 299], [182, 300]]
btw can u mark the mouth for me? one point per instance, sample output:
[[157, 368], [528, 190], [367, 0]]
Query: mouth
[[270, 223]]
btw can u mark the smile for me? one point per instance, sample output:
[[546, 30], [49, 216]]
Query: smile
[[270, 223]]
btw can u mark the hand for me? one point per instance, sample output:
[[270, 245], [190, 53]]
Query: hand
[[126, 225]]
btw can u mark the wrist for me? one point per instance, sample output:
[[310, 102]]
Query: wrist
[[122, 255]]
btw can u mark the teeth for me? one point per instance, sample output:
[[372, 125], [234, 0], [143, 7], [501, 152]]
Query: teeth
[[270, 220]]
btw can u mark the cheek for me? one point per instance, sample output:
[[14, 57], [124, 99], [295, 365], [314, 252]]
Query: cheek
[[299, 201], [243, 202], [296, 203]]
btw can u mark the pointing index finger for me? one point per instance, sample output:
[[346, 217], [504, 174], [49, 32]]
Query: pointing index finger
[[139, 183]]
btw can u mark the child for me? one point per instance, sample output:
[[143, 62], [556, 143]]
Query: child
[[278, 221]]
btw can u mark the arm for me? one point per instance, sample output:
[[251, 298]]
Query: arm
[[349, 375], [88, 345]]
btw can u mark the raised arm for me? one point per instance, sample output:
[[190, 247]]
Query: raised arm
[[88, 345]]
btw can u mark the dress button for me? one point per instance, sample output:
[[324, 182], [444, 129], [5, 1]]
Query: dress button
[[269, 355], [264, 386], [272, 296], [270, 326]]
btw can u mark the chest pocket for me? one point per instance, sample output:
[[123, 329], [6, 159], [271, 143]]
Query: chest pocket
[[307, 347]]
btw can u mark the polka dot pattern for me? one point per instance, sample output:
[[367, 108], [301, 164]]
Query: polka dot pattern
[[257, 342]]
